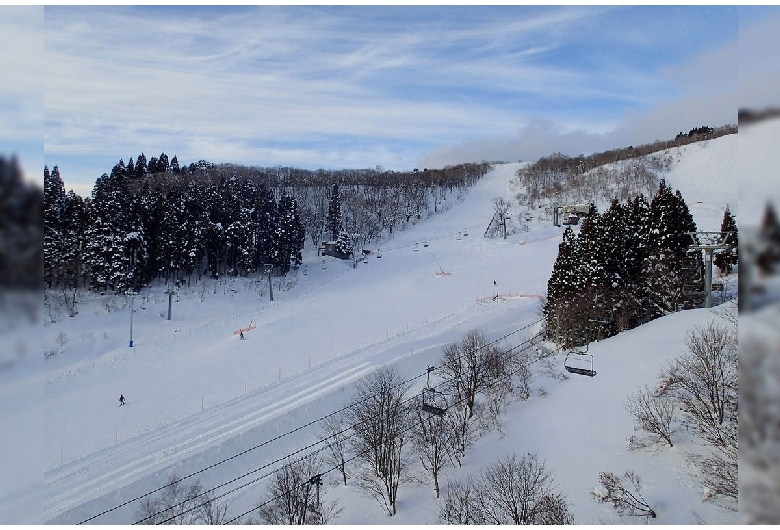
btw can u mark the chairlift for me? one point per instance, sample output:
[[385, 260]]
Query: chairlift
[[579, 362], [465, 232], [415, 247], [425, 243], [433, 402], [378, 253], [458, 238]]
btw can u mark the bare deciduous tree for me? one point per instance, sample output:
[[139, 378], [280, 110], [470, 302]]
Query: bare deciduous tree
[[705, 382], [180, 503], [461, 504], [335, 436], [522, 491], [654, 415], [472, 365], [624, 493], [380, 418], [458, 421], [522, 374], [291, 497], [434, 442], [718, 473], [512, 491]]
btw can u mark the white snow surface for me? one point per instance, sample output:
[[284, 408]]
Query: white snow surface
[[759, 184], [706, 175], [196, 395]]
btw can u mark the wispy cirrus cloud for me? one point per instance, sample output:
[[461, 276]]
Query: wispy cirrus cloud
[[347, 86]]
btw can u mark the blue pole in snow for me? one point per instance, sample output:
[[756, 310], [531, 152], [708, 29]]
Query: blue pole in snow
[[131, 320]]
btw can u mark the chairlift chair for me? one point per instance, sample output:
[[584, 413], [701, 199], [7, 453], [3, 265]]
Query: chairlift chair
[[378, 253], [415, 247], [425, 244], [465, 232], [433, 402], [579, 362]]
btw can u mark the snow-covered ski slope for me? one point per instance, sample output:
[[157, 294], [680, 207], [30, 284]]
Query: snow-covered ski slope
[[197, 396]]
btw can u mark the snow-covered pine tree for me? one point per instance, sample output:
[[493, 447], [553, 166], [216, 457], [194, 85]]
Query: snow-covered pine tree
[[152, 165], [344, 244], [162, 163], [74, 226], [53, 218], [669, 237], [105, 253], [194, 226], [333, 220], [240, 232], [563, 288], [266, 219], [610, 289], [140, 166], [726, 259], [290, 235], [213, 233], [635, 254]]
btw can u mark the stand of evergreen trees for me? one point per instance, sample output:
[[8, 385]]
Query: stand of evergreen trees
[[626, 266], [157, 219]]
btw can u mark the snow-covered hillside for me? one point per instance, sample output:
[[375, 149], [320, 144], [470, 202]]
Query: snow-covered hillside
[[196, 395], [758, 182], [706, 175]]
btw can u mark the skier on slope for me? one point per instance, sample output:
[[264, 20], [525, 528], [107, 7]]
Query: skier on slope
[[121, 400], [241, 335]]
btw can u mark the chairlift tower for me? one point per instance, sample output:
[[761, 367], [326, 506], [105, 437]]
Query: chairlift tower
[[170, 292], [709, 242], [268, 268], [131, 294]]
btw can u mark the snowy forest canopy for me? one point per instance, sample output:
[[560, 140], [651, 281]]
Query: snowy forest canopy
[[157, 219]]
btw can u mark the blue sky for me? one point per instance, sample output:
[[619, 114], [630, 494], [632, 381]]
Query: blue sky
[[397, 86]]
